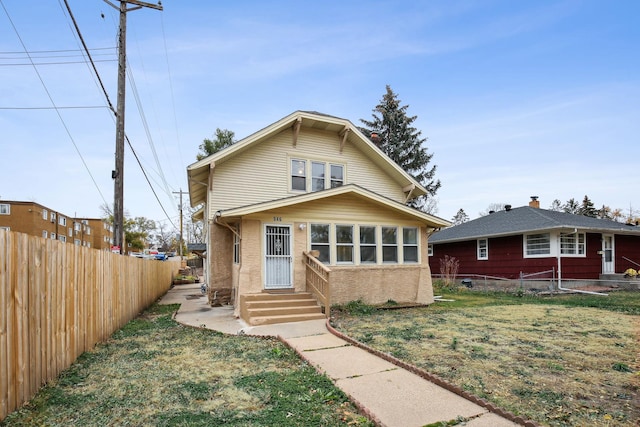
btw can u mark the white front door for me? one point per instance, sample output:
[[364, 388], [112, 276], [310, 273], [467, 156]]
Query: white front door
[[608, 264], [278, 263]]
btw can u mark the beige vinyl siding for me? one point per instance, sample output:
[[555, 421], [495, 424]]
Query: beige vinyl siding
[[261, 173], [344, 208]]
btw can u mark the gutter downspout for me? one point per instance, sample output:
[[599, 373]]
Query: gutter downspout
[[575, 230]]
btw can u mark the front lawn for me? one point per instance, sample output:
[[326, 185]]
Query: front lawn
[[560, 361], [155, 372]]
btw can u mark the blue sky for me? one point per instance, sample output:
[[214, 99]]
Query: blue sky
[[517, 98]]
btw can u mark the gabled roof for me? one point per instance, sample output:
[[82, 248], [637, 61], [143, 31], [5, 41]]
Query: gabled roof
[[198, 172], [527, 219], [350, 189]]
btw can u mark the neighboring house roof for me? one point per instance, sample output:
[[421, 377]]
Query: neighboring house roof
[[198, 172], [350, 189], [527, 219]]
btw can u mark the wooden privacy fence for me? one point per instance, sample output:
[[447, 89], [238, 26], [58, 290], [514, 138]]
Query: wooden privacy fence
[[58, 300]]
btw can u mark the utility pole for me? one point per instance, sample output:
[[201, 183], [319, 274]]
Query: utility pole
[[180, 207], [118, 173]]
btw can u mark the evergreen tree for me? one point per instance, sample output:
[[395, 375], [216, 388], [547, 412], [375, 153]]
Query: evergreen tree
[[223, 139], [556, 206], [401, 141], [571, 206], [460, 218], [587, 208]]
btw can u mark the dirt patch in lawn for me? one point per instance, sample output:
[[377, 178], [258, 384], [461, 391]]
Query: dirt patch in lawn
[[554, 364]]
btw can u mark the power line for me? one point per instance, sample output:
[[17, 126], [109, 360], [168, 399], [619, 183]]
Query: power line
[[66, 128]]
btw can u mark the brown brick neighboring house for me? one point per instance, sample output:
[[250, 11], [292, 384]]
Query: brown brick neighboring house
[[37, 220]]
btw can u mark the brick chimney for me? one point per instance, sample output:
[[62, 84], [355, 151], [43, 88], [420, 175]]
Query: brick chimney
[[534, 203]]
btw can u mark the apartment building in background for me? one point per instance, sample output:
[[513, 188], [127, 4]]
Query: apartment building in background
[[38, 220]]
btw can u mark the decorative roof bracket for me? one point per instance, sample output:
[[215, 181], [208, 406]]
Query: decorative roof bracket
[[344, 134], [296, 130]]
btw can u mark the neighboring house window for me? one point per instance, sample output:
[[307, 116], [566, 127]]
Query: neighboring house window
[[538, 244], [430, 250], [320, 241], [236, 245], [368, 246], [62, 220], [53, 217], [5, 209], [70, 232], [76, 242], [77, 226], [410, 244], [344, 243], [337, 176], [88, 231], [572, 244], [53, 236], [45, 233], [45, 214], [389, 244], [62, 238], [299, 175], [483, 249], [5, 228], [317, 176]]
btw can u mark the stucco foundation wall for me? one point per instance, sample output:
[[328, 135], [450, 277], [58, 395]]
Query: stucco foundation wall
[[377, 285], [220, 259]]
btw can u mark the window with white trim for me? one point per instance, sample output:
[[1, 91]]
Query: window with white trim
[[62, 238], [368, 245], [5, 209], [337, 176], [298, 175], [344, 243], [572, 244], [538, 244], [430, 249], [45, 214], [62, 221], [317, 176], [483, 249], [389, 244], [409, 244], [77, 226], [236, 245], [77, 242], [45, 233], [5, 228], [53, 236], [320, 242]]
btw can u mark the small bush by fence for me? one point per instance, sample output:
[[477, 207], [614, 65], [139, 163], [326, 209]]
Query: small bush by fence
[[58, 300]]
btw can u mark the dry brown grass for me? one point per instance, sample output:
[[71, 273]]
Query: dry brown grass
[[554, 364]]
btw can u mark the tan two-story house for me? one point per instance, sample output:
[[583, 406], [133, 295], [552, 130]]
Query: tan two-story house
[[305, 197]]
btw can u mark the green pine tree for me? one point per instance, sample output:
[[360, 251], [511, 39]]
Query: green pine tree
[[224, 138], [402, 142]]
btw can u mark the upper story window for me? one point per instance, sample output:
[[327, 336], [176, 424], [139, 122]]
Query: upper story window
[[337, 176], [53, 236], [538, 244], [572, 244], [483, 249], [45, 214], [5, 209], [5, 228], [77, 226], [62, 220], [299, 175], [45, 234], [62, 238], [53, 217], [323, 175]]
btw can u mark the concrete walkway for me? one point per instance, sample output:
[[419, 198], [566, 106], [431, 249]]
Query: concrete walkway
[[390, 395]]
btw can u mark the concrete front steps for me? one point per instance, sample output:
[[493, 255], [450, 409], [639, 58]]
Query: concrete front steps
[[269, 308]]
